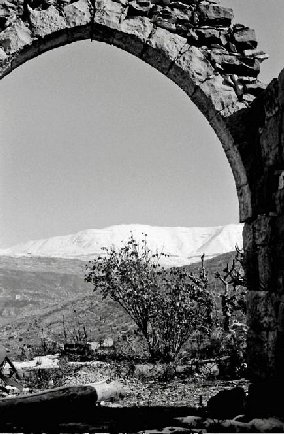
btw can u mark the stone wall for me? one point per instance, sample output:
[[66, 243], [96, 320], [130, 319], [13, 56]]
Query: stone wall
[[264, 245]]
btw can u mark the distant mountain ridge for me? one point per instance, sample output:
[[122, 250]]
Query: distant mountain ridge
[[184, 245]]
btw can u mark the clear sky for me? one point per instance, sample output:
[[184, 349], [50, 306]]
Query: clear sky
[[90, 136]]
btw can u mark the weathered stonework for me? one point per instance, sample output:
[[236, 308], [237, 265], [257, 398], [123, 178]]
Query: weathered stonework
[[196, 45], [264, 245]]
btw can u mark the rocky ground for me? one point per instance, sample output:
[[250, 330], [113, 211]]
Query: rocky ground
[[143, 384], [143, 387]]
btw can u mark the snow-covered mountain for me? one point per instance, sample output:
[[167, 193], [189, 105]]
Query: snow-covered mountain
[[184, 244]]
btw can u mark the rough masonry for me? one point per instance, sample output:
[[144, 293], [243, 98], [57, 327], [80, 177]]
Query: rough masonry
[[196, 44]]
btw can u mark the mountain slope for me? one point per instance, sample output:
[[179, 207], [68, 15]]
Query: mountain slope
[[183, 245], [36, 293]]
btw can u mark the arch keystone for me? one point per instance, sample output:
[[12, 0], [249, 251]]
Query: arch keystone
[[78, 13]]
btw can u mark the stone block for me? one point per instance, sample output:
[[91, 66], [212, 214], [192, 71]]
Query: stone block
[[26, 53], [162, 49], [133, 34], [251, 269], [264, 256], [109, 13], [233, 64], [245, 208], [261, 349], [261, 310], [248, 236], [182, 16], [263, 229], [190, 69], [15, 37], [264, 190], [260, 55], [215, 14], [46, 22], [270, 140], [221, 96], [54, 40], [208, 36], [78, 13], [245, 38]]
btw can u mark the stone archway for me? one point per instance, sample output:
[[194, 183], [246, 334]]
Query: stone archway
[[194, 43], [191, 42]]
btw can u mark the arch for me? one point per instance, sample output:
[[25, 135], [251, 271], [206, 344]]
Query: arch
[[192, 43]]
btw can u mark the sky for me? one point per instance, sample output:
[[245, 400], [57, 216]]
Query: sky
[[91, 136]]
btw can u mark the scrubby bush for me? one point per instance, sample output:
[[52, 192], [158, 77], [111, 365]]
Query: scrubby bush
[[167, 305]]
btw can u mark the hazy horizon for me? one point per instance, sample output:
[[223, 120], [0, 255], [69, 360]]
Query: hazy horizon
[[92, 137]]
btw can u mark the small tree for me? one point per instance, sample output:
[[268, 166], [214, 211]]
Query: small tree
[[167, 305], [234, 297], [233, 307]]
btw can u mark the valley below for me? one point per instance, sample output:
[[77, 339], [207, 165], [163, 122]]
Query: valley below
[[40, 297]]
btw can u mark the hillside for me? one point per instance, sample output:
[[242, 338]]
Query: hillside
[[36, 293]]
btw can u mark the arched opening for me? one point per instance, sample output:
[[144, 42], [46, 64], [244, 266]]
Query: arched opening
[[97, 136], [194, 70], [68, 168], [52, 172]]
